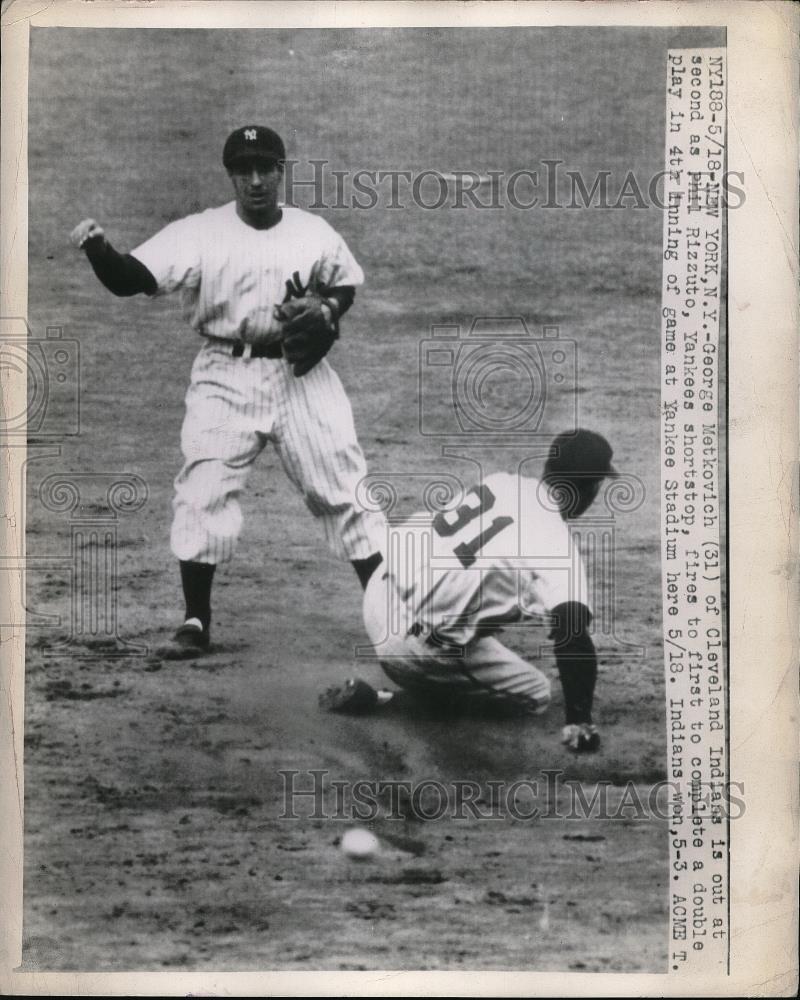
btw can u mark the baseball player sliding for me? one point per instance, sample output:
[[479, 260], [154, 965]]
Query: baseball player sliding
[[505, 555], [265, 287]]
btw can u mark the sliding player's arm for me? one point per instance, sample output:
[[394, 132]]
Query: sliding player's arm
[[576, 660]]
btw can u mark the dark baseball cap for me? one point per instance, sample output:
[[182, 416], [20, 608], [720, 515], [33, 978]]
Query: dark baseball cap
[[583, 452], [253, 142]]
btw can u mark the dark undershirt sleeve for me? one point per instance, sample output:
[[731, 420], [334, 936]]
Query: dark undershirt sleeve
[[122, 274], [344, 296], [576, 659]]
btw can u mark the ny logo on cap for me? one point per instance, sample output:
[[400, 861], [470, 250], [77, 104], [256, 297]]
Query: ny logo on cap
[[250, 133]]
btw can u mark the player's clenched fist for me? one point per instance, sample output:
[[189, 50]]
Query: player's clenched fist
[[88, 229]]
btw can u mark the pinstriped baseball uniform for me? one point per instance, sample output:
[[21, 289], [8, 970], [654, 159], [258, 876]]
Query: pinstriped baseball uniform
[[500, 558], [230, 276]]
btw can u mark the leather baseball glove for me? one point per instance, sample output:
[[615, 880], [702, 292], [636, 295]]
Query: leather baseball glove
[[309, 331], [309, 319]]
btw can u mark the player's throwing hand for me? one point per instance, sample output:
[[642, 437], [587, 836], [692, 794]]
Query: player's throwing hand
[[88, 229]]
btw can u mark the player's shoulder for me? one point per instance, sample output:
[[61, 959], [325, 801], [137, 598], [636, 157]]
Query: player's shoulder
[[216, 214], [503, 488], [526, 495], [207, 218], [535, 496], [513, 486], [305, 221], [503, 482]]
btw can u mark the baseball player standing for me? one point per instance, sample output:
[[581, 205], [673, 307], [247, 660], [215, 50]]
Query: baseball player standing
[[505, 555], [264, 286]]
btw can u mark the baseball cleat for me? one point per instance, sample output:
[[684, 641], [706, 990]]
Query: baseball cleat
[[190, 641], [354, 697]]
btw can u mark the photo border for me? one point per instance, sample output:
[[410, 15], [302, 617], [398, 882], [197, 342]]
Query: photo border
[[762, 516]]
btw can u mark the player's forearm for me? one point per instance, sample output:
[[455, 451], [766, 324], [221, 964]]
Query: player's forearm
[[577, 669], [122, 274], [576, 660]]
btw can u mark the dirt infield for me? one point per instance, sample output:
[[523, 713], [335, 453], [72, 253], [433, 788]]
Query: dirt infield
[[154, 834]]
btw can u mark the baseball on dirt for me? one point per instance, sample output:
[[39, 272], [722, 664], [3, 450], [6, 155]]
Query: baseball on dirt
[[360, 844]]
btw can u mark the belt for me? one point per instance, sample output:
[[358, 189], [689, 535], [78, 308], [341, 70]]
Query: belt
[[242, 350]]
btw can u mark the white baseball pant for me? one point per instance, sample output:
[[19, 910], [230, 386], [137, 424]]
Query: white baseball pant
[[234, 406], [484, 669]]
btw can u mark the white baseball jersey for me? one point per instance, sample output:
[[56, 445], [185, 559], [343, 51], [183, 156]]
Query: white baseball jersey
[[231, 276], [502, 555]]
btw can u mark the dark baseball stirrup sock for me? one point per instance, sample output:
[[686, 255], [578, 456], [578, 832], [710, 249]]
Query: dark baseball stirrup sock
[[196, 579], [366, 567]]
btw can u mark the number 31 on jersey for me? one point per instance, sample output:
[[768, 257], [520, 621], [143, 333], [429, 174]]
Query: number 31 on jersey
[[479, 500]]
